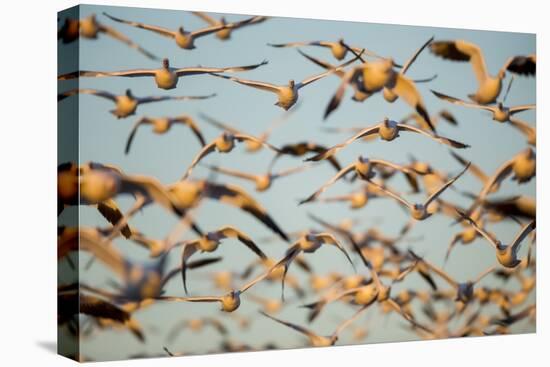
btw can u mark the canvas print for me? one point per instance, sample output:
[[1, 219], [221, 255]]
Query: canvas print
[[232, 182]]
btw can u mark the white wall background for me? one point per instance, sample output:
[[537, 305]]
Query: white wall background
[[28, 151]]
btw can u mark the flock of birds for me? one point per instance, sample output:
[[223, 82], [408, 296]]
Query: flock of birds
[[383, 263]]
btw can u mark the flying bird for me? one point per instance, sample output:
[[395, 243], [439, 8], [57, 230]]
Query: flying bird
[[489, 87], [363, 167], [126, 104], [166, 77], [90, 28], [210, 242], [507, 255], [162, 125], [224, 144], [261, 181], [419, 211], [224, 34], [388, 130], [184, 38], [287, 94]]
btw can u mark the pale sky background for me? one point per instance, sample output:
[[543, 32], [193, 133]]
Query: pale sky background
[[102, 139]]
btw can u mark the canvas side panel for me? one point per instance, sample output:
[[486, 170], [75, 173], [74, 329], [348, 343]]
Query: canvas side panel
[[67, 160]]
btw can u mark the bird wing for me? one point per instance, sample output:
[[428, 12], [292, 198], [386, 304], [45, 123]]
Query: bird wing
[[189, 121], [476, 170], [316, 77], [484, 274], [298, 328], [300, 44], [91, 241], [413, 58], [237, 197], [524, 127], [333, 150], [461, 102], [348, 78], [160, 30], [476, 59], [173, 98], [127, 41], [229, 231], [206, 31], [522, 65], [97, 307], [189, 248], [207, 149], [440, 139], [124, 73], [219, 124], [245, 137], [323, 64], [443, 274], [406, 89], [528, 228], [391, 194], [137, 124], [501, 173], [95, 92], [339, 175], [331, 240], [444, 187], [231, 172], [207, 18], [522, 108], [109, 210], [207, 70], [478, 229], [149, 187]]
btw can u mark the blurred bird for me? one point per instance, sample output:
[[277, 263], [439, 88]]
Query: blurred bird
[[363, 167], [162, 125], [225, 144], [224, 34], [251, 146], [262, 181], [318, 340], [308, 243], [166, 77], [302, 148], [373, 77], [127, 104], [507, 255], [338, 50], [90, 28], [287, 94], [196, 325], [419, 211], [183, 38], [188, 194], [388, 130], [489, 87], [464, 290], [210, 241]]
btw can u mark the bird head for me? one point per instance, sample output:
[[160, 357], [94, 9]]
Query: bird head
[[181, 30], [129, 93], [165, 63], [227, 136], [291, 83]]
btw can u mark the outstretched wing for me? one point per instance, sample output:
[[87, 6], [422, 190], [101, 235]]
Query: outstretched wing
[[232, 232], [339, 175], [160, 30], [131, 136], [207, 149], [206, 70]]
